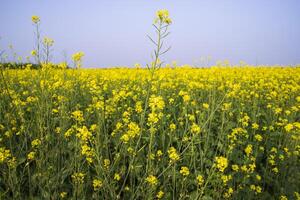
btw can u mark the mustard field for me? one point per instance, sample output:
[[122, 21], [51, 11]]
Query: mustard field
[[179, 133]]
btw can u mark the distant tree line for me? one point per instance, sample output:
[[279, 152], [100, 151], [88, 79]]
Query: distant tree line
[[14, 65]]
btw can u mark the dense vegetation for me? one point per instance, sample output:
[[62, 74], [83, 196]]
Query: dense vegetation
[[179, 133]]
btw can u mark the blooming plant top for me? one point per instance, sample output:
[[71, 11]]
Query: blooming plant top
[[162, 16], [221, 163], [35, 19], [77, 56], [48, 41]]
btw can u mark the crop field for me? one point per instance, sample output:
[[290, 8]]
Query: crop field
[[177, 133]]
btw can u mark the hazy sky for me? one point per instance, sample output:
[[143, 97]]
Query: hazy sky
[[113, 32]]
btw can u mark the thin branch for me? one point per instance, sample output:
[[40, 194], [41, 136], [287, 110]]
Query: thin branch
[[165, 30], [166, 35], [155, 27], [165, 51], [152, 40], [156, 53], [161, 45], [166, 26]]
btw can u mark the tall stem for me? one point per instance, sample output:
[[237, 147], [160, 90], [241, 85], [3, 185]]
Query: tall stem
[[38, 44], [157, 52]]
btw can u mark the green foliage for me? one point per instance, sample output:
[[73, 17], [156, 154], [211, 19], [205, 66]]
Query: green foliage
[[12, 65]]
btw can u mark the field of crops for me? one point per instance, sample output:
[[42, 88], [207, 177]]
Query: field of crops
[[180, 133]]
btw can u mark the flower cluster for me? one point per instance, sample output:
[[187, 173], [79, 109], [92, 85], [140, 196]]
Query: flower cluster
[[35, 19], [221, 163], [163, 16]]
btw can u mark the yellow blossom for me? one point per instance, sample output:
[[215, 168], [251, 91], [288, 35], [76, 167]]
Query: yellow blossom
[[258, 137], [205, 105], [195, 129], [200, 180], [222, 163], [63, 195], [97, 184], [159, 153], [173, 154], [78, 115], [163, 16], [117, 177], [35, 143], [275, 170], [77, 56], [106, 163], [184, 171], [48, 41], [78, 178], [235, 167], [156, 103], [228, 193], [77, 59], [152, 180], [31, 155], [255, 126], [125, 138], [172, 127], [35, 19], [288, 127], [186, 98], [258, 177], [4, 154], [248, 150], [160, 194], [226, 178], [283, 197], [258, 189], [33, 53]]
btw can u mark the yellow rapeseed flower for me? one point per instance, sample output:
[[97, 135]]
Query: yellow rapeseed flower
[[152, 180], [222, 163], [35, 143], [288, 127], [97, 184], [184, 171], [33, 53], [195, 129], [258, 137], [31, 155], [4, 154], [78, 177], [63, 195], [156, 103], [78, 115], [228, 193], [235, 168], [117, 177], [205, 105], [35, 19], [106, 163], [173, 155], [48, 41], [77, 56], [255, 126], [283, 197], [248, 150], [160, 194], [200, 180], [163, 16], [172, 127]]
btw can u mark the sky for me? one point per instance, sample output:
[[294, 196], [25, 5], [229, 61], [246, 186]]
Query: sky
[[114, 32]]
